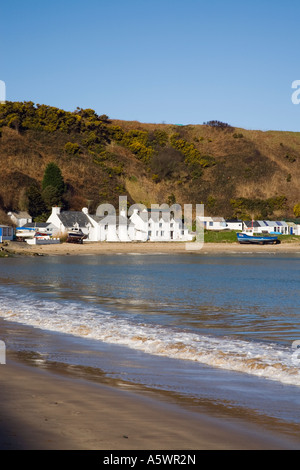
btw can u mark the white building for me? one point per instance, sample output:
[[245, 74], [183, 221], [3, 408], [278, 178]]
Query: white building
[[267, 226], [294, 229], [158, 225], [142, 225], [213, 223], [110, 228], [41, 227], [233, 224], [66, 220], [20, 218]]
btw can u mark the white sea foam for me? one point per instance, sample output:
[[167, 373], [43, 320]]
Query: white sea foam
[[260, 359]]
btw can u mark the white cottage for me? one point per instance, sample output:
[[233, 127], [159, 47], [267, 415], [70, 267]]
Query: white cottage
[[213, 223], [294, 229], [267, 226], [234, 224], [20, 218], [66, 220], [158, 225]]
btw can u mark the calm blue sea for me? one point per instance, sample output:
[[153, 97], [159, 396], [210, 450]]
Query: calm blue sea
[[217, 331]]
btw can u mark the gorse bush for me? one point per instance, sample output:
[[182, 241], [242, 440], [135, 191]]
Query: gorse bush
[[246, 208], [26, 115], [192, 155], [71, 148], [135, 140]]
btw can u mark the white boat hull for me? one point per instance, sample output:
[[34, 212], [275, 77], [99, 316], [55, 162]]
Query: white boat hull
[[42, 241]]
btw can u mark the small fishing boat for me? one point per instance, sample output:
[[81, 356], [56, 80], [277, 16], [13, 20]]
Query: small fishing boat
[[42, 240], [76, 235], [24, 233], [257, 239]]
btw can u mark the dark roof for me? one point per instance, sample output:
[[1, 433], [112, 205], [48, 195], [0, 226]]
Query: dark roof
[[234, 220], [37, 224], [70, 218], [252, 223]]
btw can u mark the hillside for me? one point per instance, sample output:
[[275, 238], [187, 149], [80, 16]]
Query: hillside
[[234, 172]]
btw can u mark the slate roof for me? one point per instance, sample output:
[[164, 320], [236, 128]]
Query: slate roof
[[37, 224], [250, 223], [118, 220], [70, 218], [21, 215]]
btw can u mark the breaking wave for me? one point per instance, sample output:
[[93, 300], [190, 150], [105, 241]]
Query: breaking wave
[[267, 360]]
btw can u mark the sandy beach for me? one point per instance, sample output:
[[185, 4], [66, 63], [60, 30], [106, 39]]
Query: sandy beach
[[41, 409], [101, 248]]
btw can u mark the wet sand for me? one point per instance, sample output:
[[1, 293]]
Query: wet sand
[[41, 409], [99, 248]]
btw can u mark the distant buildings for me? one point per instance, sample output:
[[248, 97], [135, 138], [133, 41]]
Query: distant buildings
[[140, 225]]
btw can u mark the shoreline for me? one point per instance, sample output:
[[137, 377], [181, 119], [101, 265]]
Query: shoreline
[[102, 248], [45, 410]]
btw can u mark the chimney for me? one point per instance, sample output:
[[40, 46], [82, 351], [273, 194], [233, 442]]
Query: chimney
[[55, 210]]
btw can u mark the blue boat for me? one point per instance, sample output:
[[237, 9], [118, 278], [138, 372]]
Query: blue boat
[[257, 239]]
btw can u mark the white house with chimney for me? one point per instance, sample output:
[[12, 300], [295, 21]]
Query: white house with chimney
[[142, 225], [20, 218], [65, 221], [158, 225], [110, 228]]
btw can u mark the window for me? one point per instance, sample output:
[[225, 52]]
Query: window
[[162, 233], [149, 233], [160, 225], [106, 227], [211, 224]]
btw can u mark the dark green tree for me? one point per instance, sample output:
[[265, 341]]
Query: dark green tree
[[53, 177], [36, 204], [51, 197]]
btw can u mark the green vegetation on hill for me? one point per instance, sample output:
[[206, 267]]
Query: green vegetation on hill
[[234, 172]]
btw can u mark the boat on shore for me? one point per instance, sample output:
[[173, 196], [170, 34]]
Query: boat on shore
[[76, 235], [257, 239], [41, 239]]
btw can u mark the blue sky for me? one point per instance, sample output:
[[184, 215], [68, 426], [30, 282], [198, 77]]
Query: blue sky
[[181, 62]]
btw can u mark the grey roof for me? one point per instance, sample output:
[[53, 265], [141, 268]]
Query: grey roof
[[252, 223], [70, 218], [37, 224], [21, 215], [114, 220], [96, 218]]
